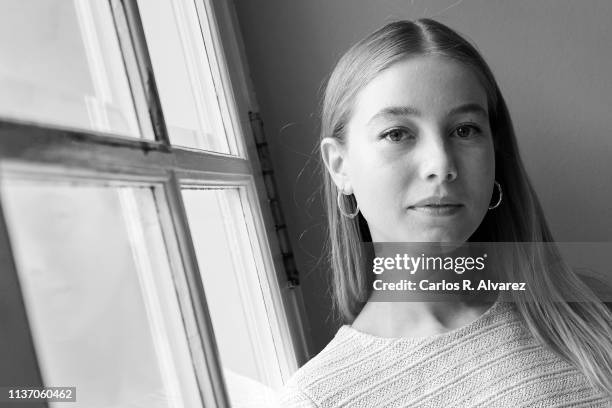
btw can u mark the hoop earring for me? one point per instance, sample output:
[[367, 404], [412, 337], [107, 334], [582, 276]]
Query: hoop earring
[[343, 211], [499, 200]]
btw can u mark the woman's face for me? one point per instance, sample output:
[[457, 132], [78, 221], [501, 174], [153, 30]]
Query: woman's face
[[419, 154]]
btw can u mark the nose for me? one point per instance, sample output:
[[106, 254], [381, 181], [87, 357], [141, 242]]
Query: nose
[[438, 163]]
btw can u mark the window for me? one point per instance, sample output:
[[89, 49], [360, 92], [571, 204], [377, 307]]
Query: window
[[62, 65], [188, 77], [139, 264]]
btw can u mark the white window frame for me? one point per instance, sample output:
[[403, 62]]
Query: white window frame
[[113, 157]]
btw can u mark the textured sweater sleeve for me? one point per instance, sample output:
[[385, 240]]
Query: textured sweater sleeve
[[292, 397]]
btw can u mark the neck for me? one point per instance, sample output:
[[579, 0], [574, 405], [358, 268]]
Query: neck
[[417, 319]]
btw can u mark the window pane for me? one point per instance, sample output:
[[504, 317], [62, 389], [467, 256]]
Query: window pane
[[237, 295], [184, 75], [61, 64], [99, 293]]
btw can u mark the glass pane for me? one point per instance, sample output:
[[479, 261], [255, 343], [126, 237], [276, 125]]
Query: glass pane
[[61, 64], [235, 294], [99, 293], [183, 74]]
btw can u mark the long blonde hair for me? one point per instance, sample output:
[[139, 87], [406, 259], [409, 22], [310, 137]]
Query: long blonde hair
[[578, 331]]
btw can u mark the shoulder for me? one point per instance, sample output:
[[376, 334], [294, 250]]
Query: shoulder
[[325, 373], [291, 396]]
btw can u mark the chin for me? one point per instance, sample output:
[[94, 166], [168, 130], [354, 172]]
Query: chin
[[441, 238]]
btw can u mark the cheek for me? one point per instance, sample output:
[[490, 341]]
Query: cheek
[[479, 171], [363, 170], [380, 186], [370, 183]]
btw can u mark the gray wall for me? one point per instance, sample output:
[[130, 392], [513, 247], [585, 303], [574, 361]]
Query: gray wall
[[553, 61]]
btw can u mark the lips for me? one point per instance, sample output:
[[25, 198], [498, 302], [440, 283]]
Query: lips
[[437, 205], [437, 210], [437, 201]]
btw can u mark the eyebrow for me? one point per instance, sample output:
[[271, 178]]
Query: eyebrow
[[394, 111], [469, 108]]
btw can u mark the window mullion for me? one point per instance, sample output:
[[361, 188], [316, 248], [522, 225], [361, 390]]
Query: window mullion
[[208, 366], [129, 24], [33, 143]]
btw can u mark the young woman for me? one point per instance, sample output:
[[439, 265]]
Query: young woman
[[418, 146]]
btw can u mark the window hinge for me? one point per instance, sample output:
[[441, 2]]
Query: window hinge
[[293, 278]]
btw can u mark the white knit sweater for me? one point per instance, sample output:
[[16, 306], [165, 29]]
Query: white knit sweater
[[492, 362]]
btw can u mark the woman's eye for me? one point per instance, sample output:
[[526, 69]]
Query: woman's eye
[[466, 131], [395, 135]]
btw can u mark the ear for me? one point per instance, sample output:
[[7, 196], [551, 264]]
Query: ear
[[334, 157]]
